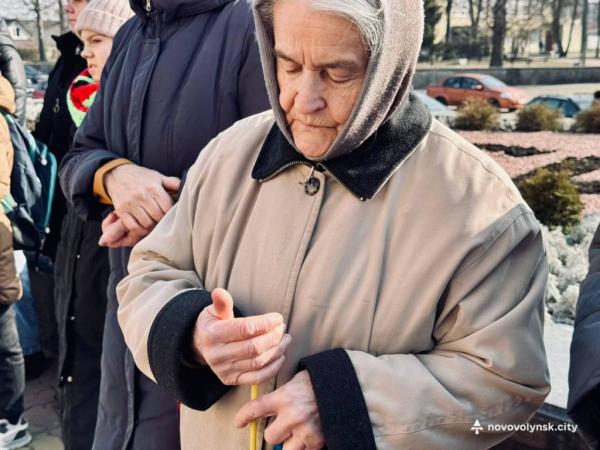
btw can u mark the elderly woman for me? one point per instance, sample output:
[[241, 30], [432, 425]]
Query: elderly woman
[[388, 278]]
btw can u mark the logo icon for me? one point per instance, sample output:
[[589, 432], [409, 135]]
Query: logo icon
[[477, 427]]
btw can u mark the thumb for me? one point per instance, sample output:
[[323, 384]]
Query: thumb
[[223, 304], [171, 184]]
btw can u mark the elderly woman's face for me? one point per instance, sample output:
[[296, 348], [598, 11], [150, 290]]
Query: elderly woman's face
[[321, 66]]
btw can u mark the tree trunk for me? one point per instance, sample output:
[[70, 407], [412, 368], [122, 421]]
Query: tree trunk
[[448, 14], [40, 30], [575, 5], [62, 17], [557, 6], [475, 16], [499, 30], [598, 33], [584, 32]]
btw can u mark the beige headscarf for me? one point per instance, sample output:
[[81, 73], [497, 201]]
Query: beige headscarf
[[388, 80]]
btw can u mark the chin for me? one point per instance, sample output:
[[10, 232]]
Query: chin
[[311, 150], [312, 146]]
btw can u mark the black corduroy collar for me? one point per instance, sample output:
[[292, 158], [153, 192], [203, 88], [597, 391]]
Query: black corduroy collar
[[364, 171]]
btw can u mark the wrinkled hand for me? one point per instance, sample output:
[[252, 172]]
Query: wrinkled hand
[[141, 199], [115, 235], [239, 351], [298, 423]]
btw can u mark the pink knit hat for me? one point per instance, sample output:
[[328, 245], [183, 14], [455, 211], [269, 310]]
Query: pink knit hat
[[104, 17]]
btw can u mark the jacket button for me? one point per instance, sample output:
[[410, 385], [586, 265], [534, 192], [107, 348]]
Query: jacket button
[[72, 318], [69, 379], [62, 379], [78, 256], [311, 186]]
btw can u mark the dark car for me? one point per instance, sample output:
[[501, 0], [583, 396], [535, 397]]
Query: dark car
[[34, 76], [570, 106]]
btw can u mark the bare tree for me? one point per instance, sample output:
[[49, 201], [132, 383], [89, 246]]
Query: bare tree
[[598, 30], [448, 14], [499, 33], [557, 10], [62, 17], [40, 8], [573, 18], [475, 7]]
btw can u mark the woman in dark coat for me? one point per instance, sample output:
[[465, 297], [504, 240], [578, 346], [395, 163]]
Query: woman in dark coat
[[584, 374], [54, 126], [179, 74]]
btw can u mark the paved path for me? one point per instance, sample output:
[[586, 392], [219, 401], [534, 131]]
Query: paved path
[[41, 411]]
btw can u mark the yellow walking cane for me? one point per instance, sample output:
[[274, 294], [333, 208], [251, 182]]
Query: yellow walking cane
[[254, 424]]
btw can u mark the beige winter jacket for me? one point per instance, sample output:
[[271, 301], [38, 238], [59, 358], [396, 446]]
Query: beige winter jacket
[[416, 312]]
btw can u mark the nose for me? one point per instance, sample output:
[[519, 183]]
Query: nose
[[69, 8], [309, 99], [86, 53]]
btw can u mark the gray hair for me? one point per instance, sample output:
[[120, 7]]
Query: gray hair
[[365, 14]]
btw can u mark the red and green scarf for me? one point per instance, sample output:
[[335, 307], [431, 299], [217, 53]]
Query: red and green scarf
[[81, 96]]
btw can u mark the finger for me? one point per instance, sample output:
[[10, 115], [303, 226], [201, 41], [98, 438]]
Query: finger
[[153, 209], [222, 303], [111, 218], [294, 443], [171, 184], [243, 328], [143, 218], [251, 360], [260, 376], [264, 406], [310, 434], [132, 225], [163, 199], [112, 233], [250, 348], [279, 431]]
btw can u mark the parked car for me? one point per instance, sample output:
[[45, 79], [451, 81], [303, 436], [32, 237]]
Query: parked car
[[455, 90], [34, 76], [569, 105], [437, 110], [40, 91]]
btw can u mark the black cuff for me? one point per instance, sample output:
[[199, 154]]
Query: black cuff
[[344, 414], [170, 335]]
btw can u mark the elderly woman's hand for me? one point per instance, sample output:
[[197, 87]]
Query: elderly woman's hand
[[140, 196], [298, 423], [240, 351]]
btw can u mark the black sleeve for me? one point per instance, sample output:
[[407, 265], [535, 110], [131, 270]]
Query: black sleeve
[[169, 339], [252, 91], [13, 70], [584, 372], [88, 154], [342, 407]]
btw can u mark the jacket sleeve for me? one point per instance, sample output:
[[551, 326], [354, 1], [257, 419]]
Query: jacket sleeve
[[160, 301], [6, 159], [584, 373], [12, 68], [89, 153], [252, 91], [488, 362]]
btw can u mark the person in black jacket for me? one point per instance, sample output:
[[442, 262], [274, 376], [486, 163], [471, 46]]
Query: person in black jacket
[[583, 405], [179, 73], [54, 126], [13, 70]]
